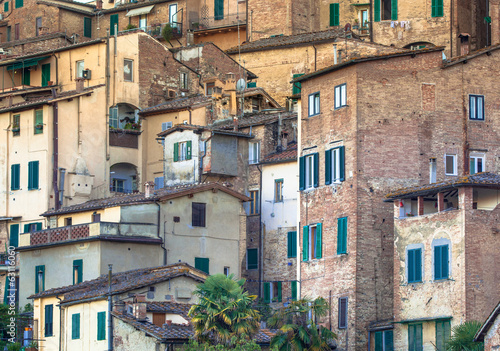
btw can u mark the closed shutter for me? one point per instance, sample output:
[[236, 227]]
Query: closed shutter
[[188, 153], [279, 292], [342, 163], [297, 86], [319, 241], [267, 292], [441, 262], [26, 77], [33, 175], [19, 3], [334, 14], [87, 27], [305, 243], [14, 235], [27, 228], [6, 6], [316, 169], [113, 19], [48, 320], [203, 264], [294, 291], [302, 173], [343, 313], [75, 326], [379, 341], [45, 74], [101, 325], [15, 174], [176, 152], [418, 265], [342, 235], [328, 167], [218, 9], [252, 259], [394, 10], [376, 10], [292, 244], [388, 340]]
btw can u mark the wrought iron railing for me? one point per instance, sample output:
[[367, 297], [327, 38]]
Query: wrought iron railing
[[155, 30], [225, 20]]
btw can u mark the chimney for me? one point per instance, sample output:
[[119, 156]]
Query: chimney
[[98, 4], [464, 43], [9, 100], [139, 307], [119, 307], [284, 141], [495, 21], [79, 84], [147, 190], [235, 124]]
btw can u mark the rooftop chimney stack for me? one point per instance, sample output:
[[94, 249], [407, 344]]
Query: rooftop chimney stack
[[140, 307], [147, 190]]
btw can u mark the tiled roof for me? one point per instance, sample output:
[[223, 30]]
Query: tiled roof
[[181, 309], [290, 154], [471, 55], [177, 104], [122, 282], [255, 119], [179, 127], [137, 198], [488, 324], [288, 40], [484, 179]]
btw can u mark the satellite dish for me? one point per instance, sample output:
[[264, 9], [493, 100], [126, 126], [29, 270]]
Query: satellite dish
[[240, 84]]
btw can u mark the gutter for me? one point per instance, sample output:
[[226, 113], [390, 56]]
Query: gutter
[[55, 146]]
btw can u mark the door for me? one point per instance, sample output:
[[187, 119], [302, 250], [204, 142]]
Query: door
[[172, 15], [45, 74], [38, 25]]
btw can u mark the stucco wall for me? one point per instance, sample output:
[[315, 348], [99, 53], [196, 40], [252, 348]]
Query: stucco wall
[[181, 172]]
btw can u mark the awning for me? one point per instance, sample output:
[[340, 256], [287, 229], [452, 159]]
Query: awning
[[26, 63], [424, 319], [140, 11]]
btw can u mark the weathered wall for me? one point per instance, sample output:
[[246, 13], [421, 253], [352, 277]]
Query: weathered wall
[[492, 338], [126, 337]]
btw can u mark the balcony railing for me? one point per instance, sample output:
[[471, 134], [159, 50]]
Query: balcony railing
[[361, 30], [227, 20], [156, 30]]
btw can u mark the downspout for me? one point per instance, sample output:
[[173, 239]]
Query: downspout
[[465, 128], [371, 21], [261, 244], [158, 234], [369, 340], [55, 145], [315, 57], [189, 110], [110, 308], [451, 29], [60, 323], [108, 77], [7, 163]]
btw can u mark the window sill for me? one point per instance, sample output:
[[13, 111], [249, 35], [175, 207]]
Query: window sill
[[476, 119], [317, 114], [340, 107], [342, 254], [443, 280]]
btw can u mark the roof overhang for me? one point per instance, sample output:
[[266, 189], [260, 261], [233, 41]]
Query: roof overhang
[[140, 11], [424, 319], [26, 63]]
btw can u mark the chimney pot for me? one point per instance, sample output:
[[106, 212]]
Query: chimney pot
[[79, 84]]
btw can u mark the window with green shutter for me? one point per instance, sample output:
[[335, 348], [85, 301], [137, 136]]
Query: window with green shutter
[[318, 241], [45, 74], [19, 3], [113, 20], [49, 320], [309, 171], [277, 292], [15, 175], [376, 10], [33, 175], [87, 27], [101, 326], [384, 340], [203, 264], [14, 235], [312, 244], [267, 292], [292, 244], [414, 265], [39, 279], [297, 86], [26, 76], [415, 337], [6, 6], [218, 9], [334, 14], [38, 121], [252, 259], [335, 165], [443, 334], [294, 290], [77, 271], [394, 10], [305, 243], [75, 326], [441, 262], [437, 8], [16, 125], [342, 235]]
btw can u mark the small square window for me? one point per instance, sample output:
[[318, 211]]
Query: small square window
[[314, 104], [199, 214], [278, 190], [209, 88], [476, 107], [450, 164], [68, 221], [182, 151], [226, 271], [340, 96], [128, 70]]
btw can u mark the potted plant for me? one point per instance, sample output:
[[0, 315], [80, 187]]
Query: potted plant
[[15, 127], [32, 346], [195, 25], [131, 26], [356, 24], [39, 126]]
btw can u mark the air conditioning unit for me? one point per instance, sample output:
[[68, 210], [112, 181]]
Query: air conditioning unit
[[86, 74]]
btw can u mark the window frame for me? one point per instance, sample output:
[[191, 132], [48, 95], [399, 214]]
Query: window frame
[[309, 171], [201, 211], [38, 121], [382, 336], [335, 165], [474, 157], [18, 4], [455, 165], [255, 203], [79, 68], [87, 27], [253, 152], [437, 8], [334, 14], [414, 249], [438, 247], [131, 62], [184, 78], [312, 242], [476, 101], [415, 345], [252, 266], [182, 151], [278, 190], [314, 101], [446, 333], [343, 312], [341, 93], [16, 123]]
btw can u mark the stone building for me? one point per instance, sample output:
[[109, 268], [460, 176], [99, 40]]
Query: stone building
[[490, 331], [368, 126]]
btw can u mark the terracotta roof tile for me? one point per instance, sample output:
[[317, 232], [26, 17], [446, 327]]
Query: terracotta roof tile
[[181, 309], [183, 126], [254, 119], [290, 154], [177, 104]]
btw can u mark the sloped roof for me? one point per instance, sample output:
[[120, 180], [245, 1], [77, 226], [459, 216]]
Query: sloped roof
[[481, 333], [484, 179], [181, 127], [181, 309], [290, 154], [122, 282], [255, 119], [138, 198], [183, 103]]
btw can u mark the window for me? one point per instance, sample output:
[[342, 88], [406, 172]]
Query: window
[[334, 14], [16, 125], [335, 165], [314, 104], [101, 326], [9, 31], [77, 271], [340, 96], [209, 88], [252, 259], [415, 337], [364, 18], [39, 279], [226, 271], [33, 175], [450, 164], [172, 15], [437, 8], [384, 340], [38, 25], [203, 264], [198, 214], [414, 265], [113, 117], [49, 320], [309, 171], [254, 204], [19, 3], [443, 333], [32, 227], [45, 74], [476, 107], [38, 121], [159, 183], [292, 244], [218, 9], [75, 326], [87, 27], [441, 262], [343, 313], [272, 292], [312, 242], [253, 153], [118, 185], [278, 190], [166, 125], [6, 6], [477, 163], [184, 81], [80, 66], [68, 221], [113, 20], [341, 235], [294, 290], [96, 217], [16, 31], [14, 235], [128, 70], [143, 22], [182, 151], [15, 174]]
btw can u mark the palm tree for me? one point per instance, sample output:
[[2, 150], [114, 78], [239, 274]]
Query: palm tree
[[296, 331], [224, 314], [463, 337]]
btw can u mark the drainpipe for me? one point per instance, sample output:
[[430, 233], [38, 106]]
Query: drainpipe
[[108, 78], [315, 56], [369, 340], [110, 308], [261, 244], [371, 21], [60, 323], [158, 234], [55, 145], [189, 110]]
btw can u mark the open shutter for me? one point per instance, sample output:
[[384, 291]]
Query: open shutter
[[394, 10], [294, 291], [319, 241], [188, 145], [302, 173], [316, 169], [176, 152], [15, 176], [27, 228], [279, 292], [328, 167], [305, 243], [267, 292], [38, 226], [342, 163], [113, 19], [297, 86], [376, 10], [14, 235]]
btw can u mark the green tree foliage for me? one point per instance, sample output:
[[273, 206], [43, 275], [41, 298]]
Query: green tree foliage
[[224, 314], [296, 331], [462, 338], [242, 346]]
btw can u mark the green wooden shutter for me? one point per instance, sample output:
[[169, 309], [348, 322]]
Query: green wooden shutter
[[113, 19], [394, 10], [48, 320], [15, 174], [267, 292], [75, 326], [39, 121], [87, 27], [342, 163], [388, 340], [411, 266], [418, 265], [252, 259], [297, 86], [439, 335], [78, 265], [27, 228], [319, 241], [6, 6], [292, 244], [45, 74], [203, 264], [188, 151], [38, 288], [334, 14], [437, 262], [38, 226], [26, 77], [418, 337], [342, 235], [305, 243], [14, 235], [294, 290], [440, 8], [376, 10], [33, 175], [316, 169], [101, 325], [379, 342], [176, 152], [302, 173], [328, 167], [19, 3], [218, 9], [280, 298]]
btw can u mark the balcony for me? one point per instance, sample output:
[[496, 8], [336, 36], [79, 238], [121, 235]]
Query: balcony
[[227, 20], [88, 230], [156, 30], [124, 138]]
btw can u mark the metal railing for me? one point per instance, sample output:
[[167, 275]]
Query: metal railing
[[155, 30], [225, 20]]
